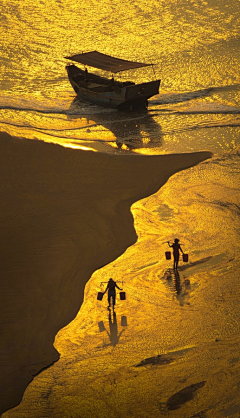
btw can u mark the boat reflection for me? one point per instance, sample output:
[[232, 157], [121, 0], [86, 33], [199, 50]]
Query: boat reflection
[[113, 333], [130, 130]]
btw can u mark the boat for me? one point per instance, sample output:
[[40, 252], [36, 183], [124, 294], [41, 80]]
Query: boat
[[108, 92]]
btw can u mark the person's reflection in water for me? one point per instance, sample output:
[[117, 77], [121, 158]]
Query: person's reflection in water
[[113, 329], [179, 285], [177, 282], [181, 290]]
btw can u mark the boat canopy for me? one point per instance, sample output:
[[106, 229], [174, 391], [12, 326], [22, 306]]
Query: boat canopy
[[105, 62]]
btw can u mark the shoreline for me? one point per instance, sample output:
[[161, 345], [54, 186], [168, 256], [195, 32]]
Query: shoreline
[[65, 213]]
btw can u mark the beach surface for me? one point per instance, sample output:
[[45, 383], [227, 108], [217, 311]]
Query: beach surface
[[64, 214]]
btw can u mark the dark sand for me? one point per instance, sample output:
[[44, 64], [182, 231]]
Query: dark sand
[[64, 214]]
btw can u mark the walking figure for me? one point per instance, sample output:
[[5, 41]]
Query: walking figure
[[176, 247], [111, 287]]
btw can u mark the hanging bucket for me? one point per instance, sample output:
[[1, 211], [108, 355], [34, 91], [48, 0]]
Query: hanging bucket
[[101, 326], [99, 295], [122, 295], [168, 255], [123, 321], [185, 258]]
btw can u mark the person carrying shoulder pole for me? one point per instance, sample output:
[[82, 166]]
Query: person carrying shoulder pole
[[111, 287], [176, 247]]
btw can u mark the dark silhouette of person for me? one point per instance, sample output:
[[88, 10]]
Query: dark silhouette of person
[[176, 247], [86, 76], [111, 287], [111, 83]]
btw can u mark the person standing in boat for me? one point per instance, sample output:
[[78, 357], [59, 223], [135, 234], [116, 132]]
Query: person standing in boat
[[111, 83], [176, 247], [86, 76], [111, 287]]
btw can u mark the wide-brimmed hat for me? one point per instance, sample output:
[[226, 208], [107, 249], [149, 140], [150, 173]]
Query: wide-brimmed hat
[[176, 240]]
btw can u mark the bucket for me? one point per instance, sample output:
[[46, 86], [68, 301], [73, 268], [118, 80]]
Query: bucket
[[185, 258], [99, 295], [122, 295], [123, 321], [168, 255], [101, 326]]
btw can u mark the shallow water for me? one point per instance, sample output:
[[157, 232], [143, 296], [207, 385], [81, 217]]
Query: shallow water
[[194, 46], [195, 324]]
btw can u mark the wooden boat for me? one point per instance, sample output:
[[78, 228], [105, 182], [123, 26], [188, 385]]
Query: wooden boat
[[109, 92]]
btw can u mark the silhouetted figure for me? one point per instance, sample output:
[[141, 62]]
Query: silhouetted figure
[[111, 83], [176, 247], [111, 287]]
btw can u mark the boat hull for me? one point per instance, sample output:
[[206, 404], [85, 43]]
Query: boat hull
[[101, 91]]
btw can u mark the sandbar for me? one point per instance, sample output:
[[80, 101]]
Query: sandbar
[[64, 214]]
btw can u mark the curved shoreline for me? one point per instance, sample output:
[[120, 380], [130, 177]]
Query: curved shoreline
[[65, 213]]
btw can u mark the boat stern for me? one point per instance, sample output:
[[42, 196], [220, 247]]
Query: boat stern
[[137, 95]]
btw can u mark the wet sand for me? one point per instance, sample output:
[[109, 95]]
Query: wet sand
[[64, 214]]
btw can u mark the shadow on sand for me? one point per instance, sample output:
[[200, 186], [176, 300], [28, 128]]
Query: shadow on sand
[[195, 263], [113, 334]]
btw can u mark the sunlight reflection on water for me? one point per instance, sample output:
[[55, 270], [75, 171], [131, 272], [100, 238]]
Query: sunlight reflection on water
[[195, 47]]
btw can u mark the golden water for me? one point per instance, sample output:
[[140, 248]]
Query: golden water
[[195, 46]]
